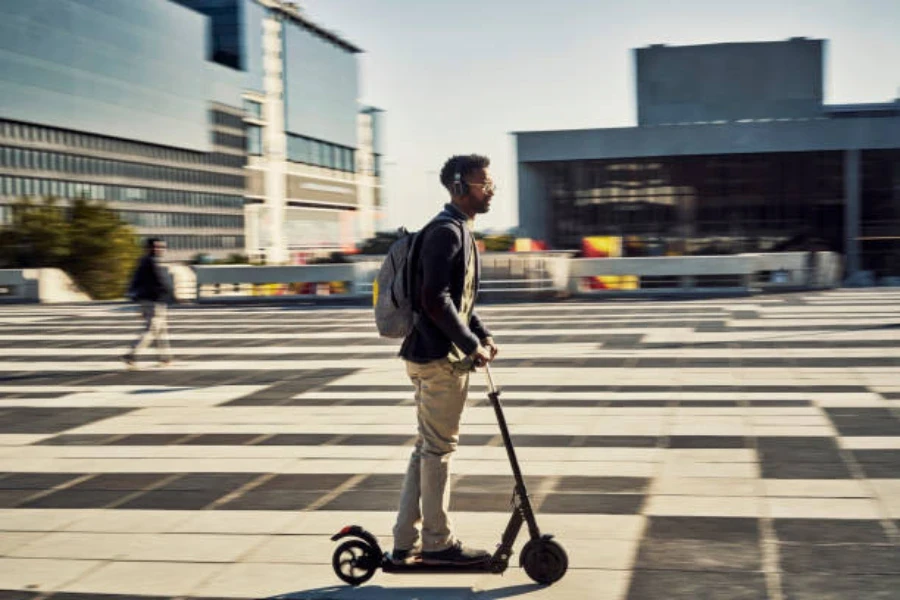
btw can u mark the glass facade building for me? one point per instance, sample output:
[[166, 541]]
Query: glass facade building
[[167, 111], [726, 182], [118, 102], [709, 204]]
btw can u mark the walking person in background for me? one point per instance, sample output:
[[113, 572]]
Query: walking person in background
[[151, 287]]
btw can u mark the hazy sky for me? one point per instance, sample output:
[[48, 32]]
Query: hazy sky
[[459, 76]]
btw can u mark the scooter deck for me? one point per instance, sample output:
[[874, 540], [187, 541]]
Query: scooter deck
[[421, 567]]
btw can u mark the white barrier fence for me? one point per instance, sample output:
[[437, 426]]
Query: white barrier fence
[[742, 273], [46, 286], [538, 275]]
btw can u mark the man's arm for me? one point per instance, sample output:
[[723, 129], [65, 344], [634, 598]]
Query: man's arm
[[439, 249], [134, 287], [484, 335], [477, 327]]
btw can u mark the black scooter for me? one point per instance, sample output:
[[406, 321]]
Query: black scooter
[[544, 560]]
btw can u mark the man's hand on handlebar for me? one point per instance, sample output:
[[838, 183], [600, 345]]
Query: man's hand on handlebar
[[481, 356]]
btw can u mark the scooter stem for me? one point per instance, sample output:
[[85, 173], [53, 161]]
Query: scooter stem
[[487, 370], [525, 511]]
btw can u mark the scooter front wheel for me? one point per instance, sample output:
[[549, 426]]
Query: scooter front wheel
[[544, 560], [355, 561]]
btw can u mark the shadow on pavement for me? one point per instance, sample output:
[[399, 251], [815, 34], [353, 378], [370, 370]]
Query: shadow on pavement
[[375, 592]]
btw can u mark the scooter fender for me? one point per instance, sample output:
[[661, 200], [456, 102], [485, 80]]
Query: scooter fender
[[359, 532]]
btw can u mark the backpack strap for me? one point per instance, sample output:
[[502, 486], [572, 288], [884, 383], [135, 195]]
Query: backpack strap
[[413, 263]]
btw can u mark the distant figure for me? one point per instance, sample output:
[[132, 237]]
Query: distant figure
[[151, 288]]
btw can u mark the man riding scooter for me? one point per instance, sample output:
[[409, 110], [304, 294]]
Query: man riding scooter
[[447, 340]]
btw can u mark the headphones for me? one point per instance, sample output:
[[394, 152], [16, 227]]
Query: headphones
[[460, 187]]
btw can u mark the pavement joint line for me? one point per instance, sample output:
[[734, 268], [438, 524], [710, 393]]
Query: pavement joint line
[[768, 541], [258, 439], [58, 488], [235, 494], [546, 487], [770, 558], [329, 496], [336, 440], [141, 492]]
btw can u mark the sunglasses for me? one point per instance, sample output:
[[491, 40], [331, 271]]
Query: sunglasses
[[487, 187]]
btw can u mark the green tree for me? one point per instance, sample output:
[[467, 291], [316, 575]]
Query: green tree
[[37, 237], [499, 243], [103, 250]]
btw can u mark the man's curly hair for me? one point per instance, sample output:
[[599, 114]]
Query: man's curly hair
[[465, 165]]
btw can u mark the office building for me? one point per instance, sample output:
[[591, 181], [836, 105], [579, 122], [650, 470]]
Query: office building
[[734, 151], [186, 117]]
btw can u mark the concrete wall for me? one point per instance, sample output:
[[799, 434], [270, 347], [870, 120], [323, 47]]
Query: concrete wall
[[729, 81], [534, 212]]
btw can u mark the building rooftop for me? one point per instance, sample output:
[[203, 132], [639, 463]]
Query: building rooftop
[[295, 12]]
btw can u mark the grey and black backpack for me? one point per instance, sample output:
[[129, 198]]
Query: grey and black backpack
[[395, 312]]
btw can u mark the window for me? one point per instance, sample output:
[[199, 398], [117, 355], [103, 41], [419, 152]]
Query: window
[[253, 109]]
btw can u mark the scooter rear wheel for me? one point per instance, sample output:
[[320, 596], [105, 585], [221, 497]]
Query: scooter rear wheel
[[355, 562], [544, 560]]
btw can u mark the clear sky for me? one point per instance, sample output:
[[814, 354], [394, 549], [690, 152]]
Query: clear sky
[[457, 76]]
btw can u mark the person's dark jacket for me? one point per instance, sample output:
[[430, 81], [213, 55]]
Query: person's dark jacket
[[440, 274], [150, 282]]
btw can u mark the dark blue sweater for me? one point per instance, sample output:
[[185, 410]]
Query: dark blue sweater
[[439, 277]]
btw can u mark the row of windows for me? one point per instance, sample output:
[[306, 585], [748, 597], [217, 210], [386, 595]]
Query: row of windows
[[24, 186], [160, 220], [321, 154], [229, 141], [227, 120], [204, 242], [71, 139], [234, 161], [21, 158]]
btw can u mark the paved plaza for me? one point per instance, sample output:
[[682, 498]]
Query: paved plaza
[[734, 449]]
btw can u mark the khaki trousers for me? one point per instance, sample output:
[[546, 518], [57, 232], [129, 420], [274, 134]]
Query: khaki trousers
[[440, 393], [155, 328]]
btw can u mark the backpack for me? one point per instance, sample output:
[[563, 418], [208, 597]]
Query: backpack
[[392, 290]]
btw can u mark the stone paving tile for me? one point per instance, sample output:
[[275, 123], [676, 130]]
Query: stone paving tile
[[77, 499], [271, 500], [696, 585], [830, 531], [861, 559], [820, 586], [877, 464]]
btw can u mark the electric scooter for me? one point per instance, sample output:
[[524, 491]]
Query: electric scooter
[[356, 559]]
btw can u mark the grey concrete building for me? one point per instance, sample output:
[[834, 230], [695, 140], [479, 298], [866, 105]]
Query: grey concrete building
[[191, 118], [734, 151]]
